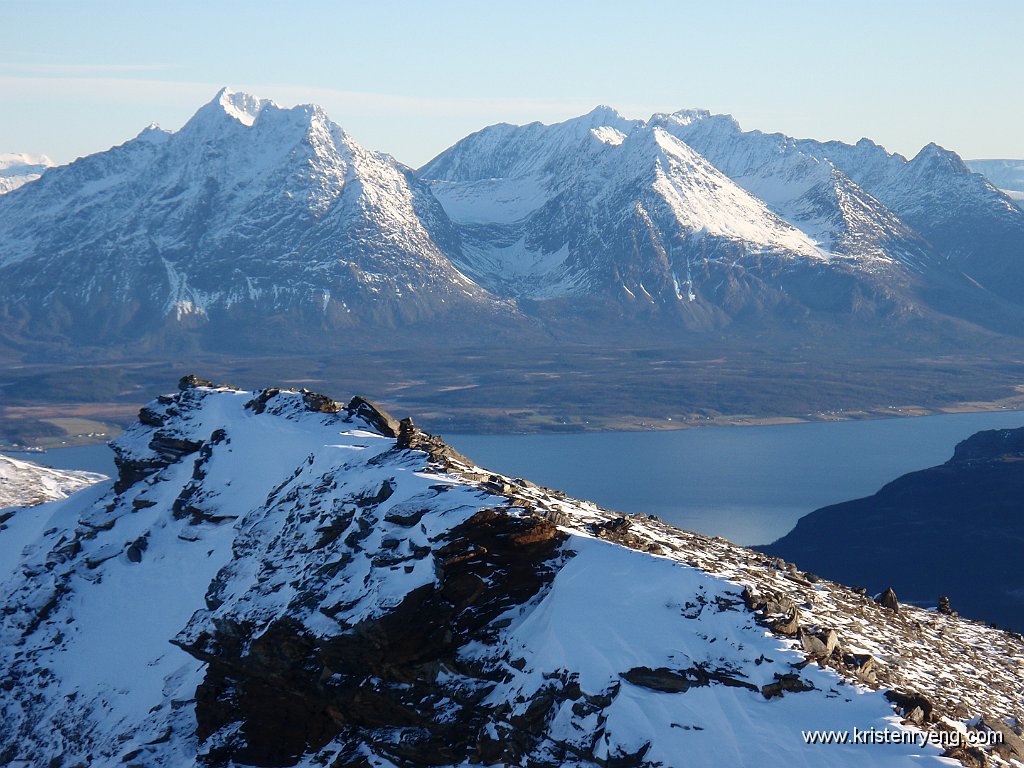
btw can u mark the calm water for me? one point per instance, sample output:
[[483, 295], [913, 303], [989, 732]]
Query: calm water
[[749, 484]]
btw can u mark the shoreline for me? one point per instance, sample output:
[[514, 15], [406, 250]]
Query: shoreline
[[543, 426]]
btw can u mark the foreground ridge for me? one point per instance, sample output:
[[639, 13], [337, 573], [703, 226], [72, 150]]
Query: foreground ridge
[[279, 579]]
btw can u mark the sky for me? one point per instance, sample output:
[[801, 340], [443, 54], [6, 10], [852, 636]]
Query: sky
[[411, 78]]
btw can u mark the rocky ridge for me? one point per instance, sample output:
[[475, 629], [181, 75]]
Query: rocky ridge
[[339, 588]]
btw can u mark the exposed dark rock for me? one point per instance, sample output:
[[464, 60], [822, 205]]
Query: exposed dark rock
[[318, 403], [864, 667], [411, 438], [945, 607], [888, 600], [380, 419], [908, 702], [168, 449], [969, 757], [789, 625], [1011, 746], [619, 530], [678, 681], [813, 646], [136, 548], [787, 683], [151, 418], [191, 381], [259, 403], [291, 692], [627, 759]]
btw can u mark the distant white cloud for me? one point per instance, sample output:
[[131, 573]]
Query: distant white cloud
[[81, 69]]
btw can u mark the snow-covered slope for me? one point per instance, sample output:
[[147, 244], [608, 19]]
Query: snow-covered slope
[[276, 579], [19, 168], [604, 206], [804, 188], [23, 483], [250, 211]]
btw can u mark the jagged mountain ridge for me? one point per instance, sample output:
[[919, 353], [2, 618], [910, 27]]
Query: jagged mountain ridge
[[1007, 175], [584, 208], [250, 214], [894, 237], [340, 588], [268, 229], [613, 208]]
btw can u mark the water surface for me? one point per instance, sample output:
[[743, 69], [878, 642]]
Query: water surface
[[748, 484]]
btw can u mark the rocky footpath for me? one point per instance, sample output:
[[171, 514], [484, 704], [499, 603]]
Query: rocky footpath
[[277, 579]]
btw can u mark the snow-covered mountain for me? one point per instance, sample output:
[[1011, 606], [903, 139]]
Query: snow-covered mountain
[[261, 229], [1007, 175], [250, 215], [805, 188], [930, 212], [276, 579], [687, 206], [19, 168], [601, 205], [23, 483]]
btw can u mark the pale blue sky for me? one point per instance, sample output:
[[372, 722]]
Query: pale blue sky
[[410, 78]]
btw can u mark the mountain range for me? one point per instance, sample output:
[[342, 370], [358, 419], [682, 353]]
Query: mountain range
[[260, 228], [278, 579]]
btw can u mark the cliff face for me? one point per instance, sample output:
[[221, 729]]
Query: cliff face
[[277, 579], [954, 530]]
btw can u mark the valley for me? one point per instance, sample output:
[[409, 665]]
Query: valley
[[546, 389]]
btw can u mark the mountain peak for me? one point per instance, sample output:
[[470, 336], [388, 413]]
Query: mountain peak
[[933, 155], [604, 114], [244, 107], [16, 159], [152, 133], [690, 116]]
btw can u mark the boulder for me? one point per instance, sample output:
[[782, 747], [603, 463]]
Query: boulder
[[787, 683], [191, 381], [380, 419], [888, 600]]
